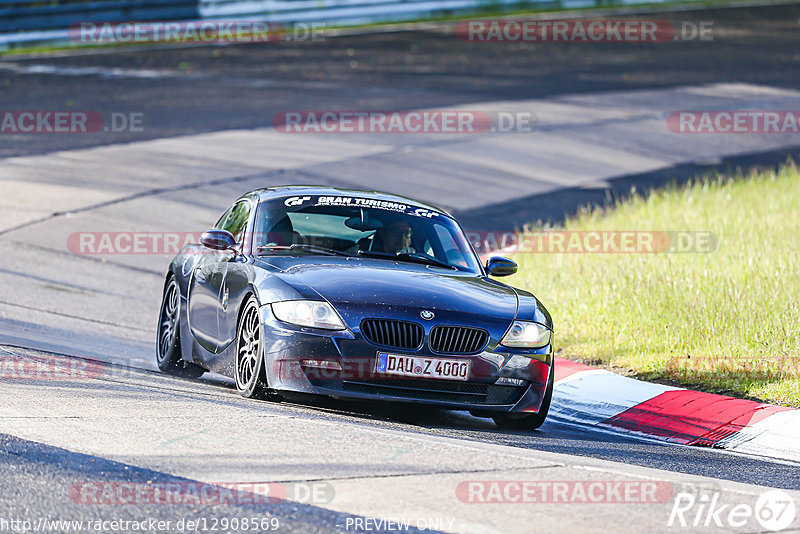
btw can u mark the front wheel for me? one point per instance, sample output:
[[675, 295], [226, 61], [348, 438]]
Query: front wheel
[[251, 378], [530, 421], [168, 340]]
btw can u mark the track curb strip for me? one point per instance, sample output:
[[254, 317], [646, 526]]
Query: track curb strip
[[590, 396]]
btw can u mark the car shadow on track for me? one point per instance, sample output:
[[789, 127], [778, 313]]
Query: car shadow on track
[[405, 413]]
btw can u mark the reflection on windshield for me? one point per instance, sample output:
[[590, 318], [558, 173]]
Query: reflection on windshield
[[363, 227]]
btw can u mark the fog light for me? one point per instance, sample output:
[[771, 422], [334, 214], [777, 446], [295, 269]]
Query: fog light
[[507, 381]]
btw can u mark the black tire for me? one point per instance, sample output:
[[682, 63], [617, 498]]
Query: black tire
[[534, 420], [168, 336], [250, 375]]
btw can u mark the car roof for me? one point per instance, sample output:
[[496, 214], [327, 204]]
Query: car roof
[[281, 191]]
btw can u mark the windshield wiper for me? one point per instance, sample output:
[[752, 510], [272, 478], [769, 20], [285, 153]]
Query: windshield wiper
[[306, 248], [414, 257]]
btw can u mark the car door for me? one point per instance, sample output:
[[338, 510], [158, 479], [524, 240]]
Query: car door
[[229, 278], [203, 296], [207, 290]]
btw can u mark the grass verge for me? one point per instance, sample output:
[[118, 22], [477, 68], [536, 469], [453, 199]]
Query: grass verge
[[726, 321]]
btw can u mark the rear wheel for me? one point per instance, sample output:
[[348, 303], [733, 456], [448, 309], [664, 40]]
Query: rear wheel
[[251, 378], [168, 339], [530, 421]]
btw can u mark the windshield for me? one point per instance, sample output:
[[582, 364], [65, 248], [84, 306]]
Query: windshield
[[364, 227]]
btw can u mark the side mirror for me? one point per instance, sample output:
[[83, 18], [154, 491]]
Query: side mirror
[[498, 266], [218, 239]]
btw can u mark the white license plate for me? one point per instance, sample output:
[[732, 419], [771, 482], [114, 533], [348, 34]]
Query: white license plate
[[422, 366]]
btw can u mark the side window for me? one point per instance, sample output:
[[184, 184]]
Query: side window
[[221, 220], [235, 219]]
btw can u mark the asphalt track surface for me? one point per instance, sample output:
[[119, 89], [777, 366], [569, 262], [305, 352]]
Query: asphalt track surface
[[196, 89], [209, 89]]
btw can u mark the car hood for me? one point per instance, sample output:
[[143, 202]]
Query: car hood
[[365, 287]]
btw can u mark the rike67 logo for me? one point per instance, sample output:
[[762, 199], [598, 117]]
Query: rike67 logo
[[774, 510]]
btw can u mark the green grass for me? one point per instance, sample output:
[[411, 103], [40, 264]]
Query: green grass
[[727, 321]]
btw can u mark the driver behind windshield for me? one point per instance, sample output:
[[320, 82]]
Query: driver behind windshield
[[434, 239], [393, 237]]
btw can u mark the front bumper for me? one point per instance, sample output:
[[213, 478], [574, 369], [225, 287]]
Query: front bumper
[[343, 365]]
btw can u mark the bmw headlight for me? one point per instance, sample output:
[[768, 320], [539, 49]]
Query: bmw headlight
[[311, 313], [527, 335]]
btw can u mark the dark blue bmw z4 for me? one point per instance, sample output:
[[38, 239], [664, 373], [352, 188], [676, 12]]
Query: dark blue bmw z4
[[356, 295]]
